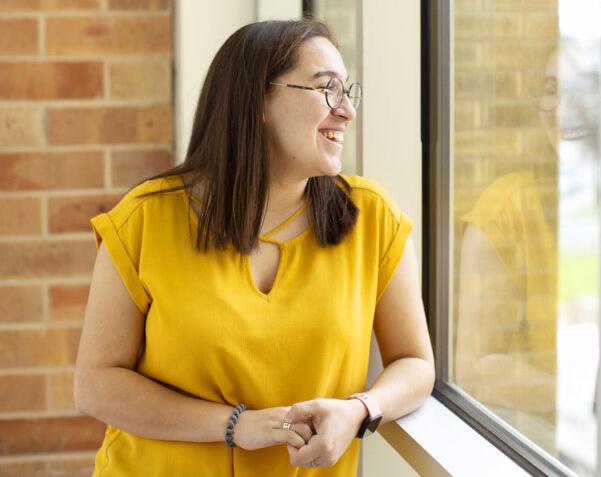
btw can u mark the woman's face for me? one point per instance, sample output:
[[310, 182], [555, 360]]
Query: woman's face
[[569, 105], [296, 118]]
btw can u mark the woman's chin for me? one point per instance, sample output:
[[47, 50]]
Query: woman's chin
[[334, 164]]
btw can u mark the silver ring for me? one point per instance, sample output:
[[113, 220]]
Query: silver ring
[[286, 425], [313, 463]]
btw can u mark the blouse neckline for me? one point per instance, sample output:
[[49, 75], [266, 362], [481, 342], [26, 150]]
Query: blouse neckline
[[266, 237]]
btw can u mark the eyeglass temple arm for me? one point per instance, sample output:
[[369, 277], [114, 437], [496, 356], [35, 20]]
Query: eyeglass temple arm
[[294, 86]]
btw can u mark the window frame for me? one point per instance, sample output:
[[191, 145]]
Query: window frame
[[436, 101]]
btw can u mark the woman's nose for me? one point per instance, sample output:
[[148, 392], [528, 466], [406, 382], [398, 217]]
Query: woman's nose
[[346, 109]]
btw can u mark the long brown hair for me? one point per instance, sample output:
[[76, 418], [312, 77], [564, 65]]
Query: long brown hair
[[228, 145]]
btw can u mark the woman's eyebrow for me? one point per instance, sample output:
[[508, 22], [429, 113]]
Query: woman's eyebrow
[[321, 73]]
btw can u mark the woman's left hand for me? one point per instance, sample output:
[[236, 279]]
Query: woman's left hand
[[336, 423]]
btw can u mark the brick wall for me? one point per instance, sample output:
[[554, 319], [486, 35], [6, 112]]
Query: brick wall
[[85, 112]]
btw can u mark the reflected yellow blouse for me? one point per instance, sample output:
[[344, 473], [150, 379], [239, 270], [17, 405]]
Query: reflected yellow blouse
[[511, 214], [212, 333]]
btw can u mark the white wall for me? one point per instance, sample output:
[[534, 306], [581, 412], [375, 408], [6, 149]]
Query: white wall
[[391, 149], [201, 27], [279, 9]]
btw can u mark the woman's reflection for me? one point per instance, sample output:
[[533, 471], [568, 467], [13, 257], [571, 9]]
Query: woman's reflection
[[508, 292]]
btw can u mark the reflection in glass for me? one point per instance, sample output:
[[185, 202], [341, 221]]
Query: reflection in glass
[[526, 224]]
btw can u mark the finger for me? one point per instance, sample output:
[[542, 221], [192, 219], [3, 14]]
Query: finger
[[312, 450], [290, 437], [302, 411], [303, 429]]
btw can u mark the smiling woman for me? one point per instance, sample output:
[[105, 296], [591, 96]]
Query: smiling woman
[[249, 356]]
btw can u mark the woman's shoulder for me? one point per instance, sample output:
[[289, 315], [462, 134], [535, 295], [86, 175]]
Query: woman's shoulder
[[503, 195], [368, 192], [149, 191]]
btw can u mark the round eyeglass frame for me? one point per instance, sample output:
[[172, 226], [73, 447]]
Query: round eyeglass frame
[[344, 91], [549, 102]]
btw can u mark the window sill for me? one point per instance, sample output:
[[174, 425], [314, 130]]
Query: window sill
[[436, 443]]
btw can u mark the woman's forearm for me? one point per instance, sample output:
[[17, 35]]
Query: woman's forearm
[[402, 387], [509, 381], [132, 402]]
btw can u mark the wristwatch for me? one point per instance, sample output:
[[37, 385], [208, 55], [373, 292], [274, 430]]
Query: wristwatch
[[371, 422]]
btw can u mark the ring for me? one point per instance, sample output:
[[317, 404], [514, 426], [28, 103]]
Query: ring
[[313, 463], [286, 425]]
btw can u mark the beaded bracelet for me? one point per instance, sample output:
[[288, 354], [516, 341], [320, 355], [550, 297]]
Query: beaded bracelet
[[229, 431]]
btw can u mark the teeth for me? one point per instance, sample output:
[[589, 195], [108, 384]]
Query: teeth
[[336, 135], [576, 133]]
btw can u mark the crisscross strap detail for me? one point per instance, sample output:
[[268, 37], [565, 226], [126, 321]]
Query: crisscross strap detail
[[284, 223], [266, 235]]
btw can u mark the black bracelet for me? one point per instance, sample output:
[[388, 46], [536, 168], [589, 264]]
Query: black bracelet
[[229, 431]]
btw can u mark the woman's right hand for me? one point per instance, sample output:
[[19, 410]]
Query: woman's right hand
[[263, 428]]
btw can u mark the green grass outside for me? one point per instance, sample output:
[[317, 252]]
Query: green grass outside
[[578, 275]]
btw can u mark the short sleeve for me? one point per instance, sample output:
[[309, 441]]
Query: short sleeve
[[393, 227], [121, 230], [394, 230]]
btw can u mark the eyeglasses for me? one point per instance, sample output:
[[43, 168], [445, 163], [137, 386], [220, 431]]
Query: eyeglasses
[[550, 102], [334, 92], [586, 91]]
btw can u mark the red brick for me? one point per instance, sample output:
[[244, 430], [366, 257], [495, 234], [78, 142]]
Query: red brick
[[21, 127], [51, 434], [130, 167], [58, 465], [73, 213], [68, 302], [61, 391], [51, 80], [22, 393], [113, 125], [48, 5], [46, 259], [18, 36], [22, 469], [109, 36], [49, 347], [20, 303], [140, 80], [51, 170], [139, 4], [72, 467], [20, 215]]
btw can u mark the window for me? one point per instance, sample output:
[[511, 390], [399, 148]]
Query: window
[[341, 17], [512, 163]]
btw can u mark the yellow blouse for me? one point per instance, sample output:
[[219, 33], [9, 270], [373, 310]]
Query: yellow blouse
[[212, 333]]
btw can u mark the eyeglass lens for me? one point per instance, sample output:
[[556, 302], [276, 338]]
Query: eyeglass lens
[[335, 93]]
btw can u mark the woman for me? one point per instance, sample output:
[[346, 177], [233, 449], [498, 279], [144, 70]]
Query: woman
[[235, 353]]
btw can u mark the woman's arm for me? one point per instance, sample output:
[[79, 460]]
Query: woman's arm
[[490, 309], [402, 332], [107, 387]]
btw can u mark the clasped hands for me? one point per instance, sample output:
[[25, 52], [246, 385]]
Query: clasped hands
[[334, 423]]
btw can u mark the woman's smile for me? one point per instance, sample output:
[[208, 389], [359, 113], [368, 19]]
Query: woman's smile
[[335, 138]]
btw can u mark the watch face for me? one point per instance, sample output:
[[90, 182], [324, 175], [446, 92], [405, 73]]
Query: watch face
[[372, 426]]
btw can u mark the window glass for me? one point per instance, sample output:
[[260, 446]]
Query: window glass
[[341, 17], [525, 147]]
